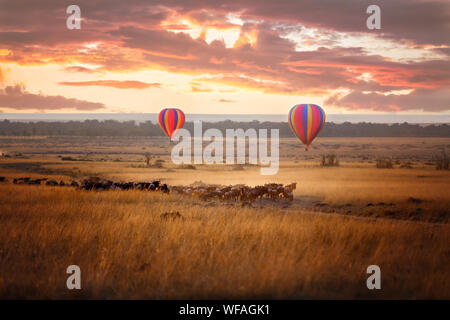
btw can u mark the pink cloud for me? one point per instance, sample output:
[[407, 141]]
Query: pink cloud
[[79, 69], [15, 97], [131, 36], [426, 99]]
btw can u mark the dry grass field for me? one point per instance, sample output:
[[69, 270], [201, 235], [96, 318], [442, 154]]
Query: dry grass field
[[342, 220]]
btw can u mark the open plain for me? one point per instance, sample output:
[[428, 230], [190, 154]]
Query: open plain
[[342, 219]]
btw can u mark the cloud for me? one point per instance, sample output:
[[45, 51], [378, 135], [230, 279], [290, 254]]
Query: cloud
[[15, 97], [126, 84], [227, 101], [268, 55], [79, 69], [420, 99], [197, 87]]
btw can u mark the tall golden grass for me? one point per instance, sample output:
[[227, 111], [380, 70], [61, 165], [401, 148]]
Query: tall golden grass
[[126, 250]]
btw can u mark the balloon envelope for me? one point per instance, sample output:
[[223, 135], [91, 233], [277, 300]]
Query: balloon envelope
[[171, 120], [306, 121]]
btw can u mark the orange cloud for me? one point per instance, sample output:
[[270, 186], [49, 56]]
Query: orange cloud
[[172, 56], [127, 84], [266, 86], [215, 60], [196, 87]]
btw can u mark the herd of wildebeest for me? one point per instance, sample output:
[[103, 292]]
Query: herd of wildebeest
[[242, 193]]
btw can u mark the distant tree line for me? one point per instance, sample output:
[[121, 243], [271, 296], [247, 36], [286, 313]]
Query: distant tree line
[[131, 128]]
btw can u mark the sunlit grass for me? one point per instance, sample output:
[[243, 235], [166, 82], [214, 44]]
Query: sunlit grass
[[222, 250], [126, 250]]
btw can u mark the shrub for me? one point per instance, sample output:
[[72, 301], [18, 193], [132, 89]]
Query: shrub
[[159, 164], [187, 166], [407, 165], [329, 160], [238, 167], [384, 164], [442, 161]]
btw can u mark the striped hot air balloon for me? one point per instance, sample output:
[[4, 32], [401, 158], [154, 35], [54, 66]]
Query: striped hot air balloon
[[171, 120], [306, 121]]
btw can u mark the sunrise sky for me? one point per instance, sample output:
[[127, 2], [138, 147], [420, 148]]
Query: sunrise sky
[[259, 56]]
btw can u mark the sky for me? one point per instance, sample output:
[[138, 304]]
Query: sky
[[225, 56]]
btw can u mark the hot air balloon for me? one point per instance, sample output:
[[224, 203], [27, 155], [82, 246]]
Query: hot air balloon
[[171, 120], [306, 121]]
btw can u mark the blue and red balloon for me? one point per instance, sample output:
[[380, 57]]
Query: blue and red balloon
[[306, 121], [171, 120]]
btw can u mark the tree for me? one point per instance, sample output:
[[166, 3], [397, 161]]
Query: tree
[[148, 158]]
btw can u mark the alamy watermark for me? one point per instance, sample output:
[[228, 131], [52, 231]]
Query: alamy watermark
[[374, 20], [74, 280], [374, 281], [236, 140], [74, 20]]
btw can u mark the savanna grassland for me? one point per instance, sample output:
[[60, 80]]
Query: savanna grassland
[[343, 219]]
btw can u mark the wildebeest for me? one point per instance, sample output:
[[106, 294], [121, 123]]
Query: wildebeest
[[51, 183], [27, 180], [74, 184], [240, 192]]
